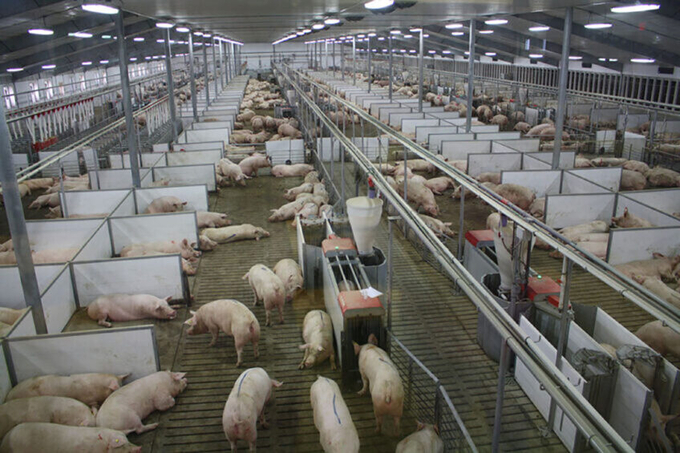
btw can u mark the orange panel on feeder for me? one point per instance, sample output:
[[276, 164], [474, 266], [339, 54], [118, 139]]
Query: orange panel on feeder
[[480, 238], [543, 288], [336, 244], [354, 304]]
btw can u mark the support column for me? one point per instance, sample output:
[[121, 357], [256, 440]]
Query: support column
[[222, 66], [471, 75], [171, 86], [206, 81], [127, 101], [333, 57], [214, 65], [368, 49], [192, 77], [389, 47], [342, 60], [562, 89], [421, 85], [354, 60], [17, 228]]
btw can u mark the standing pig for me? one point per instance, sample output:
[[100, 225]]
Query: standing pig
[[662, 339], [125, 409], [165, 204], [47, 409], [317, 332], [268, 287], [232, 172], [291, 275], [231, 317], [54, 438], [207, 219], [387, 390], [332, 419], [632, 180], [129, 307], [518, 195], [91, 389], [250, 165], [628, 220], [245, 405], [425, 439], [500, 120], [281, 171], [439, 185], [235, 233], [291, 194]]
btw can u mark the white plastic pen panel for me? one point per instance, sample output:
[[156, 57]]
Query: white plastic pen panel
[[153, 228], [187, 175], [542, 182], [62, 234], [496, 162], [632, 244], [91, 202], [196, 196], [568, 210]]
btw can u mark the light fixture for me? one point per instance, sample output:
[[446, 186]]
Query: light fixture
[[40, 31], [402, 50], [318, 26], [490, 54], [15, 69], [412, 51], [381, 38], [598, 25], [642, 60], [467, 52], [457, 33], [613, 60], [80, 34], [601, 59], [86, 63], [133, 59], [415, 30], [384, 50], [539, 28], [431, 51], [496, 22], [99, 8], [378, 4], [453, 26], [198, 33], [361, 36], [147, 58], [426, 35], [164, 25], [535, 55], [106, 36], [485, 32], [372, 35], [636, 8], [182, 29], [138, 39], [332, 21], [103, 61], [49, 66], [575, 57], [395, 32], [408, 36], [300, 33], [307, 30], [160, 41], [446, 52]]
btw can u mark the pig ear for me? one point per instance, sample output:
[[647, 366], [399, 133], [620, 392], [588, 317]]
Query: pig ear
[[302, 347], [184, 202], [372, 339], [193, 245], [625, 212], [168, 299], [192, 312], [320, 348], [177, 376], [658, 255], [419, 425], [122, 377], [185, 242], [276, 384], [448, 224], [357, 348]]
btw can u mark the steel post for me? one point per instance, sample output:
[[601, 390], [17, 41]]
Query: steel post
[[219, 41], [127, 101], [562, 89], [171, 86], [471, 75], [215, 77], [500, 394], [421, 82], [354, 60], [389, 46], [368, 49], [17, 228], [461, 224], [206, 80], [192, 77], [342, 60], [333, 65]]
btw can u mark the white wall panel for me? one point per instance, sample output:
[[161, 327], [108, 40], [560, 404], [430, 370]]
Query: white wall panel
[[173, 226], [568, 210], [196, 196]]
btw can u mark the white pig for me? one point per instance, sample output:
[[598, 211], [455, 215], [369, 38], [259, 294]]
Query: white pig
[[659, 266], [306, 187], [250, 165], [228, 316], [439, 185], [51, 201], [655, 285], [425, 439], [520, 196], [332, 419], [235, 233], [421, 196], [268, 287], [596, 226], [287, 211], [54, 438], [317, 332], [309, 210], [54, 255], [628, 220], [387, 390], [233, 172], [662, 339], [129, 307], [291, 275], [281, 171], [312, 177], [7, 246], [206, 219], [167, 247], [165, 204], [245, 405], [125, 409], [10, 315], [90, 388], [48, 409], [440, 228], [206, 244]]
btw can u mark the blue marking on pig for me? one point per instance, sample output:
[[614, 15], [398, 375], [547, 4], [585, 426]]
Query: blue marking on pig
[[241, 383], [335, 411]]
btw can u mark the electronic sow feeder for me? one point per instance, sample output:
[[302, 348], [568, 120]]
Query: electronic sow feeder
[[352, 273]]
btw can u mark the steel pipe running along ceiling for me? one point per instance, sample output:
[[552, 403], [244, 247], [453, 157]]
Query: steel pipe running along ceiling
[[629, 289], [598, 432]]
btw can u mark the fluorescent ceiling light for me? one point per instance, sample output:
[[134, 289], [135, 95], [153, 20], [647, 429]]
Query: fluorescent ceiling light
[[378, 4], [535, 55], [642, 60], [106, 36], [155, 57], [147, 58], [485, 32], [408, 36], [601, 59], [307, 30], [490, 54], [99, 9], [636, 8], [138, 39], [318, 26], [539, 28], [496, 22], [41, 31], [300, 33], [15, 69], [133, 59], [395, 32], [332, 21], [412, 51], [182, 29], [384, 50], [198, 33], [598, 25], [453, 26], [164, 25], [467, 52], [160, 41], [207, 35], [381, 38], [613, 60], [415, 30], [103, 61], [86, 63], [431, 51], [457, 33], [446, 52], [371, 35], [361, 36], [80, 34], [575, 57], [49, 66], [402, 50]]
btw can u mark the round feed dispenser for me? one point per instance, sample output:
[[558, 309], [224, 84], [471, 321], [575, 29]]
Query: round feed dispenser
[[364, 216]]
